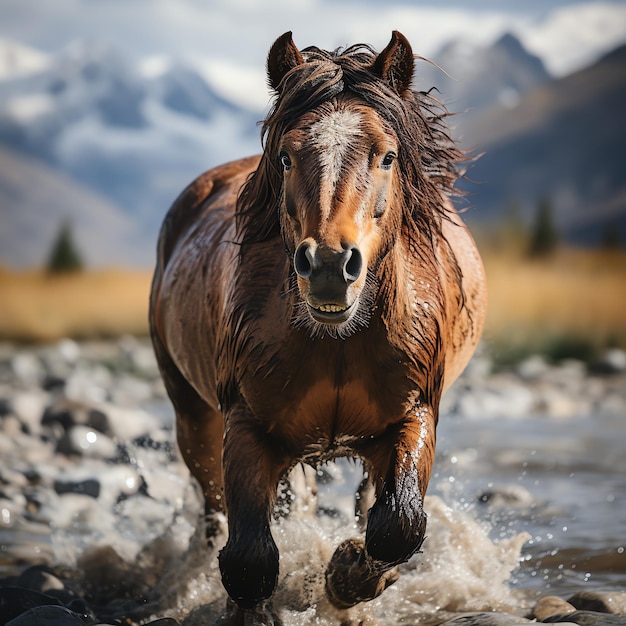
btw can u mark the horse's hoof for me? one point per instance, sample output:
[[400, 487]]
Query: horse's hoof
[[261, 615], [351, 577]]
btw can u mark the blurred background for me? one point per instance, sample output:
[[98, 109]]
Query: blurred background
[[108, 109]]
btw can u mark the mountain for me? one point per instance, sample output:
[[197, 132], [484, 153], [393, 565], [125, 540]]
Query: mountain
[[113, 144], [35, 200], [473, 77], [565, 142], [134, 139]]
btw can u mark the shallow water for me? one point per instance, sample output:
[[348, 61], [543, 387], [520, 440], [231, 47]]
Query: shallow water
[[518, 509]]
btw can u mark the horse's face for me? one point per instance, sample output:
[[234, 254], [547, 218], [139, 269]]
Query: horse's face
[[339, 169]]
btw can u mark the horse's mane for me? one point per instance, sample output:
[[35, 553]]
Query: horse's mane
[[427, 157]]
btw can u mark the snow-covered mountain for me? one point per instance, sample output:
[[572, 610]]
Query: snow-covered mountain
[[134, 134], [133, 138], [471, 77]]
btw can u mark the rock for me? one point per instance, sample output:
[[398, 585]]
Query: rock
[[48, 616], [27, 368], [613, 361], [29, 408], [90, 385], [39, 578], [85, 441], [486, 619], [532, 368], [608, 602], [164, 621], [15, 600], [127, 424], [508, 496], [89, 487], [588, 618], [551, 605]]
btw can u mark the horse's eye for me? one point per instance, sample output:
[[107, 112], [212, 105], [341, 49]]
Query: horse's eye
[[285, 161], [388, 160]]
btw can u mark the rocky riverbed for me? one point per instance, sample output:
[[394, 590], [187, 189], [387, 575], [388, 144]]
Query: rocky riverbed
[[99, 520]]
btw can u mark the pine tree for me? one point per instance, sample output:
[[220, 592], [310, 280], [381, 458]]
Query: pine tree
[[544, 237], [64, 256]]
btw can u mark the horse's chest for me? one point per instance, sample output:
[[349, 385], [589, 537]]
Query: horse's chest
[[325, 409]]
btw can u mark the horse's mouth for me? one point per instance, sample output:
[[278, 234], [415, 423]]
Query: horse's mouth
[[330, 313]]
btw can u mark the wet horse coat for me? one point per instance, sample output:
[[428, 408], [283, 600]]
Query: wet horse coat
[[315, 302]]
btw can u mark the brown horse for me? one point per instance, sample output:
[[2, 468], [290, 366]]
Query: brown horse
[[315, 302]]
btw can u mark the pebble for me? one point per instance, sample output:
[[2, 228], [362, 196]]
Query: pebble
[[85, 441], [609, 602], [552, 605]]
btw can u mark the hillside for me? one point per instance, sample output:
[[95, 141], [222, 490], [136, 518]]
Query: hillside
[[563, 141], [35, 200]]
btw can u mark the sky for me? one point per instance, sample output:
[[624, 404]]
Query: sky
[[231, 37]]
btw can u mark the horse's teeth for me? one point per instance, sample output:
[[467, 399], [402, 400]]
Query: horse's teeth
[[331, 308]]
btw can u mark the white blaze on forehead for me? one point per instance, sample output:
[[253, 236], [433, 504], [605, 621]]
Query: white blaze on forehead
[[332, 137]]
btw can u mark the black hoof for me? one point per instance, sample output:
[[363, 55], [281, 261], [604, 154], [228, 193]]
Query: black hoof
[[259, 616], [352, 577]]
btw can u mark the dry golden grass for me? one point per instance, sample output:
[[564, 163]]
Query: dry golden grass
[[39, 307], [575, 295]]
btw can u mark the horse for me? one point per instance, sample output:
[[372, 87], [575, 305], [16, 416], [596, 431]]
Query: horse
[[315, 302]]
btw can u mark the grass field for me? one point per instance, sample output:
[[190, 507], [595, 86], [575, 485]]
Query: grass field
[[569, 305], [35, 306]]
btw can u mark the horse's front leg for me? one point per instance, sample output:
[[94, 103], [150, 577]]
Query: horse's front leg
[[252, 470], [400, 464]]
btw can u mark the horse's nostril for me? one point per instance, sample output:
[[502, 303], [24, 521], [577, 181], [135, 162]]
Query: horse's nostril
[[353, 265], [303, 259]]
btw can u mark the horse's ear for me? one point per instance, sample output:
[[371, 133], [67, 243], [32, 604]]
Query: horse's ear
[[283, 56], [395, 64]]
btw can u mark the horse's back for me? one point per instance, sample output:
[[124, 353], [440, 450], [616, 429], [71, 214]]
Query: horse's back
[[466, 325], [195, 253]]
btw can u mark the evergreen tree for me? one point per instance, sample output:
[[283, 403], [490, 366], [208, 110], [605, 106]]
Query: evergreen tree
[[544, 237], [64, 256]]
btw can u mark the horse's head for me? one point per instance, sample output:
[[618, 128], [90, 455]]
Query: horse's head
[[338, 163], [345, 158]]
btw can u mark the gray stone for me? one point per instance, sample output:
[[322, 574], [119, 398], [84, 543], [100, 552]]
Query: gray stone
[[604, 602], [551, 605], [486, 619], [48, 616], [85, 441]]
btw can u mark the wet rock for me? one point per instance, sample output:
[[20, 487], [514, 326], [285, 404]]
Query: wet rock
[[127, 424], [15, 600], [613, 361], [85, 441], [39, 578], [551, 605], [507, 496], [532, 368], [27, 368], [89, 384], [164, 621], [48, 616], [29, 407], [588, 618], [486, 619], [608, 602], [89, 487]]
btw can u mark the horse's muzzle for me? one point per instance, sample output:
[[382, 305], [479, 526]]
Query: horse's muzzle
[[328, 274]]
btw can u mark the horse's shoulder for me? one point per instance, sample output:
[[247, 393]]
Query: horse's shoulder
[[193, 200]]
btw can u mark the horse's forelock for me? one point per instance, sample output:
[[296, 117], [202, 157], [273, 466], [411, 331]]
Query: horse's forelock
[[427, 155]]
